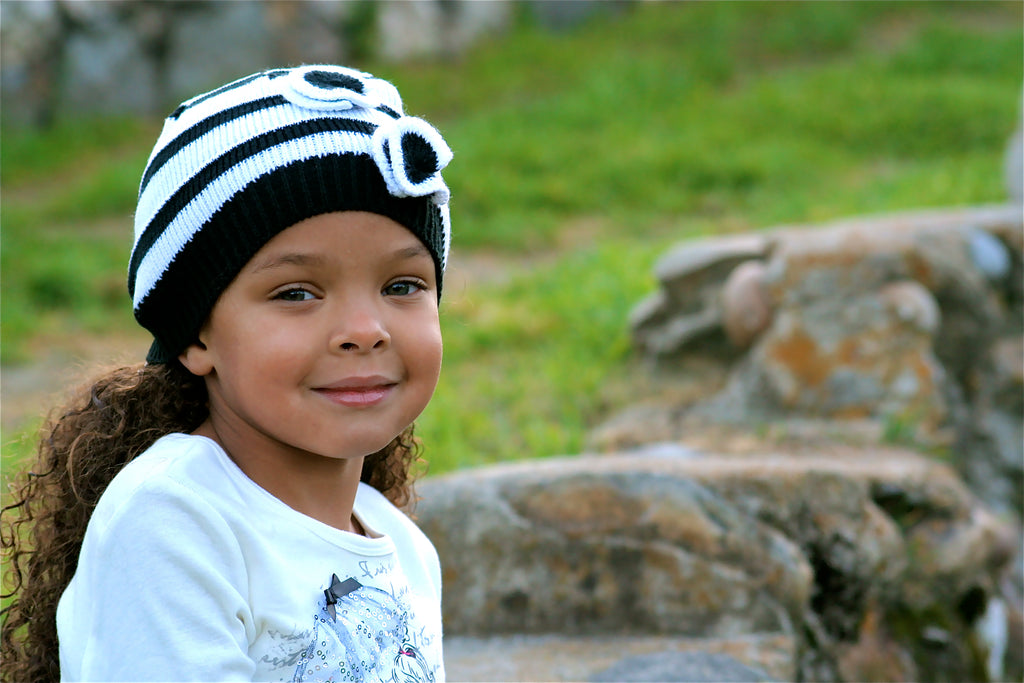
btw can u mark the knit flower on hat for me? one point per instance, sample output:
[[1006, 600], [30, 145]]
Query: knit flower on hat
[[330, 88], [410, 154]]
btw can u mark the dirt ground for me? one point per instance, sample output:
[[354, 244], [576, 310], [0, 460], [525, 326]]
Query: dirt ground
[[28, 390]]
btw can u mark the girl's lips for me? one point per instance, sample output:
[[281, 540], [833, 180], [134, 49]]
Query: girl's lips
[[358, 392]]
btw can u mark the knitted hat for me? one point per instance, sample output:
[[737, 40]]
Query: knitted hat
[[236, 166]]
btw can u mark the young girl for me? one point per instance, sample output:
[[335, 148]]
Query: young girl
[[240, 487]]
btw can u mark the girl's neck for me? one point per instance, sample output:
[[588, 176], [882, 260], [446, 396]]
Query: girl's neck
[[318, 487]]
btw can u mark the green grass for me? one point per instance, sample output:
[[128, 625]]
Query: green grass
[[68, 195], [722, 109], [587, 152], [526, 364]]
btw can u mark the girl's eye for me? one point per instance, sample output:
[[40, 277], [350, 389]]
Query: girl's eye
[[294, 295], [402, 288]]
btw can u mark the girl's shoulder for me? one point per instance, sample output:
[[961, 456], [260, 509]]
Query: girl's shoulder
[[171, 451], [182, 458], [176, 470]]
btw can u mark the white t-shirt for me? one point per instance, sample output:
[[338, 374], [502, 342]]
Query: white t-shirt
[[190, 571]]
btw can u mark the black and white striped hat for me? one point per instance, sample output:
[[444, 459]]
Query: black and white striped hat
[[235, 166]]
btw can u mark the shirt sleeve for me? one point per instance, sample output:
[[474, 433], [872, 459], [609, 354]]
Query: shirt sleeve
[[159, 594]]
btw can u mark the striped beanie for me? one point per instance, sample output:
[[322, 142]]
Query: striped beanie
[[236, 166]]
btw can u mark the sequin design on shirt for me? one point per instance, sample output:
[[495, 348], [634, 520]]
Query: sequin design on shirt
[[365, 639]]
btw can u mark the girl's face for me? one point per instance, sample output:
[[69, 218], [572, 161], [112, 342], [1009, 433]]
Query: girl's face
[[327, 342]]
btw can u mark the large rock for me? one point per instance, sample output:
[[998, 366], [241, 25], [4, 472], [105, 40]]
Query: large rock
[[874, 357], [863, 560], [721, 293], [558, 548], [850, 260], [904, 319]]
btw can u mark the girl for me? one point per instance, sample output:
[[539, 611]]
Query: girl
[[226, 511]]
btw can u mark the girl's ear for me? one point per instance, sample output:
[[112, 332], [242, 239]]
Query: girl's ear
[[197, 359]]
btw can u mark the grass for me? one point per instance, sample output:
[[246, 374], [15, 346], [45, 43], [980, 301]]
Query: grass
[[68, 194], [526, 362], [586, 153]]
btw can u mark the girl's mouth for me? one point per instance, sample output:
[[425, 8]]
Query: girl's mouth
[[358, 392]]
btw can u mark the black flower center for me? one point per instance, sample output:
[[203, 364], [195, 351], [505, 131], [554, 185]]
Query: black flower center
[[420, 158], [329, 80]]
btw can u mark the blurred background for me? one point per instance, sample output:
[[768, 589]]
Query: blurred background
[[588, 138]]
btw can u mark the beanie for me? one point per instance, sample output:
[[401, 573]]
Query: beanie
[[235, 166]]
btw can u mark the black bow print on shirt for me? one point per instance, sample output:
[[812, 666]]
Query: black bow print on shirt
[[337, 590]]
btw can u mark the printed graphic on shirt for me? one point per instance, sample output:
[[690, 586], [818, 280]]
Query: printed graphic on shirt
[[361, 633]]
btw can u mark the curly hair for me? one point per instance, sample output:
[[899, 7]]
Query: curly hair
[[102, 428]]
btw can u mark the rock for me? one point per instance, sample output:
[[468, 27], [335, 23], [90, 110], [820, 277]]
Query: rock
[[885, 518], [564, 549], [865, 558], [692, 667], [688, 268], [835, 263], [637, 427], [1014, 659], [993, 459], [990, 448], [681, 331], [893, 318], [875, 656], [990, 443], [640, 427], [993, 629], [686, 313], [746, 307], [967, 259], [869, 359], [1007, 356], [912, 305], [1014, 163], [886, 531], [912, 323], [989, 255], [555, 657]]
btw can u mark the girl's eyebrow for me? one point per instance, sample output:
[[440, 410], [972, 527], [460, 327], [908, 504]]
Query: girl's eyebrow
[[289, 259], [412, 251], [313, 259]]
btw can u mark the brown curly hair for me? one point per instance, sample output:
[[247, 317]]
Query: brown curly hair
[[104, 426]]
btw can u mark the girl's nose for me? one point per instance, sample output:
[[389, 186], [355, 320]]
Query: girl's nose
[[360, 328]]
